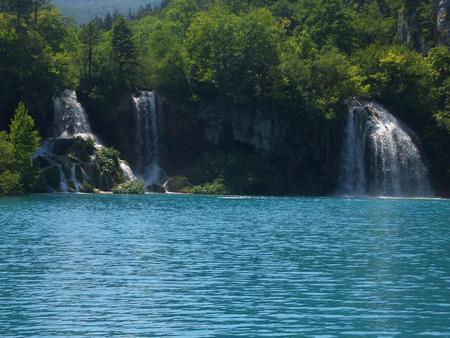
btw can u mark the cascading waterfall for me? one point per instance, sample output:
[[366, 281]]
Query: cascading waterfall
[[380, 155], [70, 119], [147, 137]]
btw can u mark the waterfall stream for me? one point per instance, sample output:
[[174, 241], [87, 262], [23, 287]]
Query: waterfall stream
[[381, 156], [147, 137], [70, 119]]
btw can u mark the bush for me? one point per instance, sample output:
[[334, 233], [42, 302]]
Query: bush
[[217, 187], [107, 168], [130, 188], [10, 183]]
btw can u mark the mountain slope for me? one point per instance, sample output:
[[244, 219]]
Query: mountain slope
[[84, 10]]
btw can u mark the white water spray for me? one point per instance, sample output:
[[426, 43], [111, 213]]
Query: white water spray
[[147, 137], [380, 155], [70, 119]]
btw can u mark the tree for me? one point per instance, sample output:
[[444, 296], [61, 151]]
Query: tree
[[123, 52], [90, 36], [24, 142], [233, 56], [20, 8]]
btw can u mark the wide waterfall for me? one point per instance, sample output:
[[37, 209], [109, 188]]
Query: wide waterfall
[[381, 156], [69, 116], [147, 137]]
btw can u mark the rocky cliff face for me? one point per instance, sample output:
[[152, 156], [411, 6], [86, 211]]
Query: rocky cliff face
[[307, 150], [425, 23], [443, 22]]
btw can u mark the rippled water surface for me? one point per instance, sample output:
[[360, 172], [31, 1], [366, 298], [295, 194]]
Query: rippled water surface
[[160, 265]]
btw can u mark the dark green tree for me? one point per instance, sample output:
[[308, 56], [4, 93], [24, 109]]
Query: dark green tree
[[90, 36], [124, 54]]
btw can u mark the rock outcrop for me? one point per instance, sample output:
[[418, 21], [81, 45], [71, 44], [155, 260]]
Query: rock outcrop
[[76, 165], [443, 22]]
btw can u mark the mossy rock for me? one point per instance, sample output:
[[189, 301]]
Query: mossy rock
[[41, 185], [178, 184], [66, 170], [87, 188], [71, 186], [51, 177], [79, 173], [41, 162]]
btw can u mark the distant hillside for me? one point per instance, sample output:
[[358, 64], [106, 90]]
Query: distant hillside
[[84, 10]]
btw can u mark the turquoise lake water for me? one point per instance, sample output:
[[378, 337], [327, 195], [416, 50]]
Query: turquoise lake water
[[172, 265]]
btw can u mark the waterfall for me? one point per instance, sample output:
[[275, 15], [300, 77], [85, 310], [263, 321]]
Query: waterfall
[[127, 172], [147, 137], [70, 119], [63, 186], [73, 177], [380, 156]]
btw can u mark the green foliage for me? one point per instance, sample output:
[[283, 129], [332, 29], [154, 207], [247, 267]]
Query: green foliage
[[32, 62], [216, 187], [400, 78], [218, 58], [107, 168], [10, 183], [17, 172], [135, 187], [24, 141], [123, 52]]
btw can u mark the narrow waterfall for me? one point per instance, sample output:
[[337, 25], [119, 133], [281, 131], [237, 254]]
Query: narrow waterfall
[[380, 155], [147, 138], [63, 186], [73, 177], [70, 119]]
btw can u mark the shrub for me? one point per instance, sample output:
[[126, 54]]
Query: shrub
[[10, 183], [135, 187], [107, 168], [217, 187]]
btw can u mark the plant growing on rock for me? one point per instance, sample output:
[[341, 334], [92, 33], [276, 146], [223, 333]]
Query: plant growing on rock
[[135, 187]]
